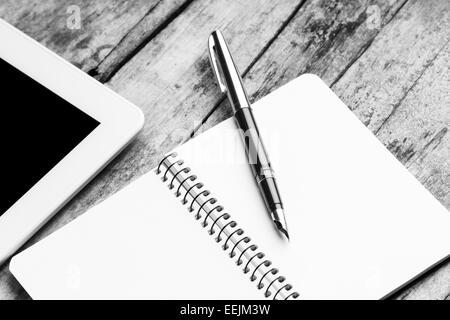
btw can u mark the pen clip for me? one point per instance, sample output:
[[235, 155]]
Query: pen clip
[[213, 60]]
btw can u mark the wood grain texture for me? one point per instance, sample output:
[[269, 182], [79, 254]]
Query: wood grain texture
[[156, 19], [325, 38], [416, 132], [105, 26], [375, 85]]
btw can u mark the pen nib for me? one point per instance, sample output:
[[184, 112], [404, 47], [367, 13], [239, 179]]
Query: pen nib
[[280, 222], [281, 229], [285, 233]]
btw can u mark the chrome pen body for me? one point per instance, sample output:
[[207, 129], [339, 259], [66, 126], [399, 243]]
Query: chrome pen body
[[230, 82]]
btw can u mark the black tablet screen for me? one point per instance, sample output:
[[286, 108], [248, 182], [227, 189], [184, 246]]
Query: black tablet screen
[[38, 129]]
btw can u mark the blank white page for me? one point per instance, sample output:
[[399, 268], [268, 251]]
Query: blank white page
[[360, 224], [138, 244]]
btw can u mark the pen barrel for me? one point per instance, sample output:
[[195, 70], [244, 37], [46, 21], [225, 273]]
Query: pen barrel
[[258, 159], [271, 196]]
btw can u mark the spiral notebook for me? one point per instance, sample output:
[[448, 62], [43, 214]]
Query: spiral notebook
[[195, 227]]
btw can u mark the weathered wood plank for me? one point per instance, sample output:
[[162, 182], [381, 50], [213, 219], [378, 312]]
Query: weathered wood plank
[[417, 134], [417, 130], [170, 79], [154, 21], [377, 83], [324, 38], [110, 28]]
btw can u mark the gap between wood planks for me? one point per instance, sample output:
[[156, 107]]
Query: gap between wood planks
[[108, 75], [367, 46], [287, 22], [395, 107], [250, 66]]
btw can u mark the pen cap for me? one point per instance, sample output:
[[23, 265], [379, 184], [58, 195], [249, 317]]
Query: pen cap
[[227, 75]]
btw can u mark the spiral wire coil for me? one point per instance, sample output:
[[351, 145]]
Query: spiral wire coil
[[225, 231]]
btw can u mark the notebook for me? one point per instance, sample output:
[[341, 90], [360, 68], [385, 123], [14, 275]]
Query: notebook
[[360, 224]]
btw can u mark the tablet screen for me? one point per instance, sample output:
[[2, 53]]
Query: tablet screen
[[38, 129]]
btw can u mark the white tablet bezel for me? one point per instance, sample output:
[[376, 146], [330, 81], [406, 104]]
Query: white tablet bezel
[[120, 121]]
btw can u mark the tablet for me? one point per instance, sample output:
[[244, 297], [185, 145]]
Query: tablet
[[59, 127]]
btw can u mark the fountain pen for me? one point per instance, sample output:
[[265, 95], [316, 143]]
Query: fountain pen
[[230, 82]]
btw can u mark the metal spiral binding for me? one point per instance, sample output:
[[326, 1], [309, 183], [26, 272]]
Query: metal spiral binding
[[219, 224]]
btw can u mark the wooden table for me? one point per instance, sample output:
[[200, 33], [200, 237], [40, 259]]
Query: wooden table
[[388, 60]]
